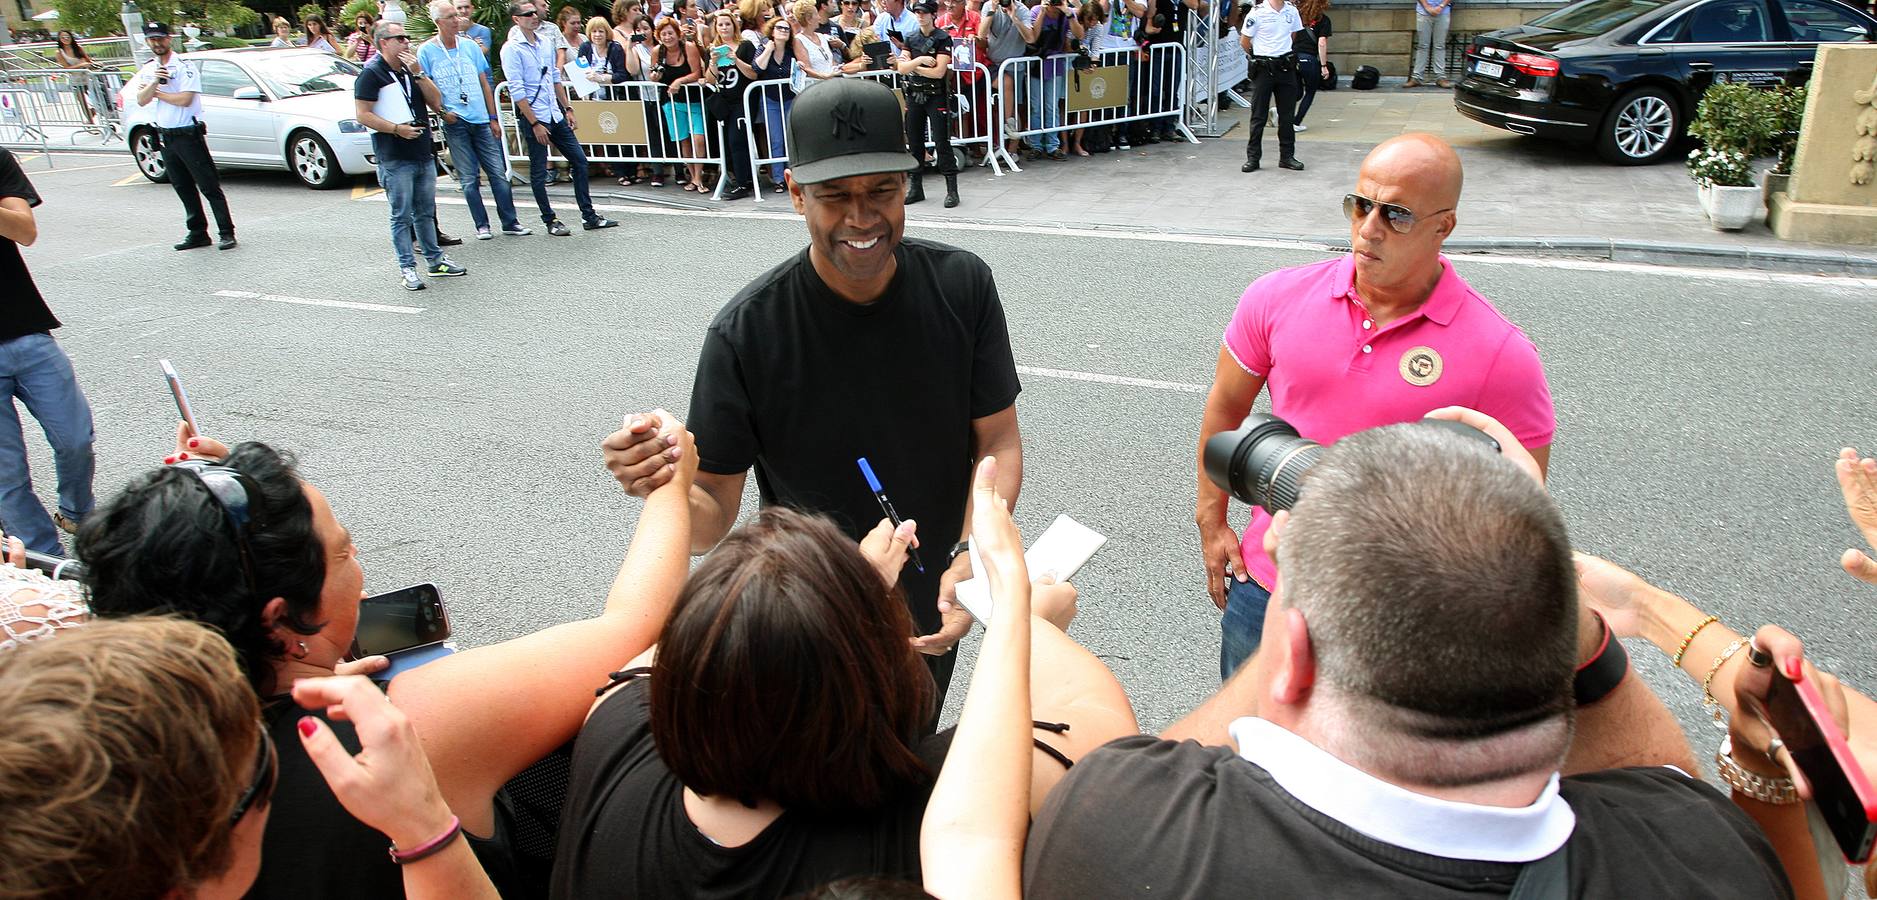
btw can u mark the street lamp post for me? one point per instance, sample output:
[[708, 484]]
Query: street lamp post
[[133, 30]]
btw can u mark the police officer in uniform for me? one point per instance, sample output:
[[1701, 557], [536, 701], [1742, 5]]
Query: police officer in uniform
[[175, 85], [927, 70], [1266, 36]]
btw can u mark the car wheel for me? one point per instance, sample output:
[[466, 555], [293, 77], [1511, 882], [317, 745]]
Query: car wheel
[[1643, 127], [312, 160], [149, 159]]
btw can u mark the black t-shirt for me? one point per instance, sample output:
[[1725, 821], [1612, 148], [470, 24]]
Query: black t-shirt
[[625, 832], [1178, 16], [377, 76], [1305, 42], [936, 44], [726, 102], [23, 310], [800, 383], [1146, 817]]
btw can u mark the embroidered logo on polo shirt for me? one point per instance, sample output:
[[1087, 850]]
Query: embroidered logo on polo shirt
[[1421, 366]]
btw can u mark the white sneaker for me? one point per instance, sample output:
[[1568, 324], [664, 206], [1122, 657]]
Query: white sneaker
[[484, 234], [1300, 128], [411, 281], [517, 231]]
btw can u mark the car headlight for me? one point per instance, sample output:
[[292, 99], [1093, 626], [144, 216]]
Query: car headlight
[[352, 126]]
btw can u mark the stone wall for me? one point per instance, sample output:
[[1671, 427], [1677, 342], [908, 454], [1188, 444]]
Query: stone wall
[[1380, 33]]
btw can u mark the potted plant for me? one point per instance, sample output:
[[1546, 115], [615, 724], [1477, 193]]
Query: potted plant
[[1788, 109], [1735, 123]]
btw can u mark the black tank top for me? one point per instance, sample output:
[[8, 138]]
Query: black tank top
[[674, 72]]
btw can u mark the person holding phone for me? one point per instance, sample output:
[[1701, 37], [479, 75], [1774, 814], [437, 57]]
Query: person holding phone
[[731, 70], [174, 85], [36, 371]]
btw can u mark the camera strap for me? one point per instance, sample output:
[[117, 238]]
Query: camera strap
[[1546, 878]]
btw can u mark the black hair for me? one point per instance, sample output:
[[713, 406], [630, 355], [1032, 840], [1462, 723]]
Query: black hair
[[164, 545]]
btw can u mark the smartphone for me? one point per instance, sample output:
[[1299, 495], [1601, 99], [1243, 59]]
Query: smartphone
[[400, 620], [1840, 790], [182, 398]]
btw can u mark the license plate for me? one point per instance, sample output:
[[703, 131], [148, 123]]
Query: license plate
[[1489, 70]]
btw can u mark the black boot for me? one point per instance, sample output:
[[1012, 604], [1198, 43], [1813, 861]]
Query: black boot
[[916, 192], [951, 191], [1251, 165]]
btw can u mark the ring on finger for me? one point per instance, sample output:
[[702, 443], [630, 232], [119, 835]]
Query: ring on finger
[[1759, 658], [1773, 747]]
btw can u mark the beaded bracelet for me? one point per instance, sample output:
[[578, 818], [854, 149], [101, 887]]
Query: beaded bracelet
[[1708, 700], [1687, 640], [430, 847]]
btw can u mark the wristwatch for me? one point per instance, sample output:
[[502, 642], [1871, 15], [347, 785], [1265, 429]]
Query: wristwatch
[[963, 546]]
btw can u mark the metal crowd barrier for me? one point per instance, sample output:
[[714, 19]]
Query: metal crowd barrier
[[974, 121], [633, 132], [39, 102], [1050, 95]]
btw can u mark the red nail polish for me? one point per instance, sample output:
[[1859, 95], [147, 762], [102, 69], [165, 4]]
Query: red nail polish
[[167, 460], [308, 726], [193, 442], [182, 456], [1794, 668]]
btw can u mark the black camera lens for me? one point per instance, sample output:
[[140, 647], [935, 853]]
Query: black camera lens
[[1261, 461]]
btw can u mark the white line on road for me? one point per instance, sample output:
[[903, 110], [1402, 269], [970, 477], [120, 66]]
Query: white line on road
[[311, 301], [1123, 380]]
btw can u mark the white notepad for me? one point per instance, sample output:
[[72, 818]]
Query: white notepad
[[1065, 545]]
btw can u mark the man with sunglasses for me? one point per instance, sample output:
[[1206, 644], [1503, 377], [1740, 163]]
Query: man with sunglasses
[[545, 115], [1379, 336], [393, 98]]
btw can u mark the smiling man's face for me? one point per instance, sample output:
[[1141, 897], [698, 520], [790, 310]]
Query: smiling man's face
[[854, 224]]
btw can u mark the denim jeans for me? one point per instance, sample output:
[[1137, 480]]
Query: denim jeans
[[411, 187], [1046, 96], [1430, 43], [475, 152], [1242, 629], [774, 112], [34, 369], [561, 135]]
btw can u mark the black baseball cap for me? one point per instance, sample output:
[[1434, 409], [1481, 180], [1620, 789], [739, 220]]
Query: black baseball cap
[[925, 6], [155, 29], [845, 127]]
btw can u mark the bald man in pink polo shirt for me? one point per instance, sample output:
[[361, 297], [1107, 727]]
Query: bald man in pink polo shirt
[[1380, 336]]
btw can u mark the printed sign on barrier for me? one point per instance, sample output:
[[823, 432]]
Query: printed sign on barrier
[[1103, 87], [610, 121]]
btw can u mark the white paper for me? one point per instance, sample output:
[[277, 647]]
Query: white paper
[[1065, 545], [391, 107], [578, 82]]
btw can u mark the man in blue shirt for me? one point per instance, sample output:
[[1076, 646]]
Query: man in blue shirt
[[461, 75], [543, 111], [475, 30], [393, 98]]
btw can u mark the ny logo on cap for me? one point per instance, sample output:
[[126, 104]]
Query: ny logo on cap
[[849, 123]]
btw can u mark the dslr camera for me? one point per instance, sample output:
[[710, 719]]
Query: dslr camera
[[1262, 462]]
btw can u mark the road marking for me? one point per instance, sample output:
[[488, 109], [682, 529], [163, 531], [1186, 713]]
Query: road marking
[[361, 192], [130, 179], [1123, 380], [312, 301], [39, 172]]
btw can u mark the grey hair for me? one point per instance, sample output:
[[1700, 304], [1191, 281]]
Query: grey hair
[[442, 9], [380, 31], [1436, 580], [515, 7]]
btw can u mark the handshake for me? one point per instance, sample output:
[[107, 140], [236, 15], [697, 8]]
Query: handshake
[[648, 451]]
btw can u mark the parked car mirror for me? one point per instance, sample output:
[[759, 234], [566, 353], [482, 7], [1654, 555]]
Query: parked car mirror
[[249, 93]]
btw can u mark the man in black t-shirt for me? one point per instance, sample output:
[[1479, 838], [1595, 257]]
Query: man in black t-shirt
[[862, 345], [394, 98], [1413, 703], [927, 67], [34, 369]]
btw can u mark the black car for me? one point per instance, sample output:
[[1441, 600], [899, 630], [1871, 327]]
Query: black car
[[1626, 74]]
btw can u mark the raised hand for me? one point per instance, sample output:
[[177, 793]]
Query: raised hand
[[1857, 478]]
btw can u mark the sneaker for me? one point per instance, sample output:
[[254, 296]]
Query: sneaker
[[65, 524], [1058, 155], [517, 231], [1443, 83], [558, 229], [1300, 128], [598, 222], [411, 281], [484, 234], [445, 267], [1412, 82]]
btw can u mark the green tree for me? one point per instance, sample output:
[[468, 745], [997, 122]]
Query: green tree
[[98, 17]]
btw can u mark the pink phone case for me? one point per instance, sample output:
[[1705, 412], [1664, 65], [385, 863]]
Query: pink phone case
[[1840, 748]]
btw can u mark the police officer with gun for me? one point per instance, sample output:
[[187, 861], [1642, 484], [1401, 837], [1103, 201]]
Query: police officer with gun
[[1266, 36], [927, 70], [175, 86]]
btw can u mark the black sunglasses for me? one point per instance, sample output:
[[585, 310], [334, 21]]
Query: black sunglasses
[[1399, 217], [235, 493], [262, 780], [530, 14], [396, 37]]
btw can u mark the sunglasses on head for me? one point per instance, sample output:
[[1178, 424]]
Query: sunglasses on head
[[262, 780], [1400, 218], [234, 493]]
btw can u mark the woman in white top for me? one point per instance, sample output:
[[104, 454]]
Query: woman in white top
[[318, 36], [812, 52], [283, 33]]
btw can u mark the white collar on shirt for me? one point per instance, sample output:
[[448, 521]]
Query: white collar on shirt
[[1398, 816]]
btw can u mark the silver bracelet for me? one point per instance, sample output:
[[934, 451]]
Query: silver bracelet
[[1778, 791]]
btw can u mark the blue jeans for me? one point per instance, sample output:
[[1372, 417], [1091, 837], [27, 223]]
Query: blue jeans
[[1242, 629], [34, 369], [411, 187], [561, 135], [774, 111], [475, 152], [1046, 96]]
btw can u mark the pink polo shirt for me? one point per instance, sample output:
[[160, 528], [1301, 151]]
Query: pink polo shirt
[[1331, 373]]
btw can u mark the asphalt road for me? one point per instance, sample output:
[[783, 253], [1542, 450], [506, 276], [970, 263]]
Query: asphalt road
[[1699, 412]]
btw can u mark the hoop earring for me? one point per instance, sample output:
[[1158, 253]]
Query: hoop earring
[[302, 645]]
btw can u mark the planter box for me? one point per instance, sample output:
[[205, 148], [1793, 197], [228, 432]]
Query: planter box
[[1731, 208]]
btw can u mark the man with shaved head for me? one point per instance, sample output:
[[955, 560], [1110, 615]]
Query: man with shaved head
[[1379, 336]]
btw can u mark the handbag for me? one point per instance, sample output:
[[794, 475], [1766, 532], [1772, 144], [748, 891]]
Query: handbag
[[1329, 81]]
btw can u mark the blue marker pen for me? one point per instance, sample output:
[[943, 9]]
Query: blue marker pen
[[886, 506]]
